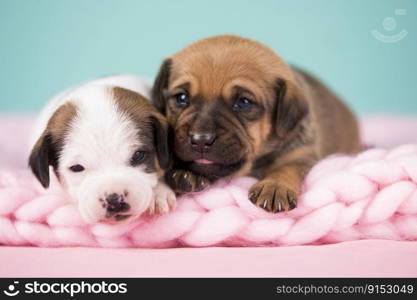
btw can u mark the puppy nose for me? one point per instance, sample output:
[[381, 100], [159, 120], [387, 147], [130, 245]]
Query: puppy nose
[[115, 204], [201, 142], [113, 199]]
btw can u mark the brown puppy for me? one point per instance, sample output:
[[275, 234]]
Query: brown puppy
[[237, 108]]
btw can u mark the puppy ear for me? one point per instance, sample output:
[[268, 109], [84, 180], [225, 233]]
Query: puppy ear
[[161, 140], [160, 85], [291, 107], [42, 156]]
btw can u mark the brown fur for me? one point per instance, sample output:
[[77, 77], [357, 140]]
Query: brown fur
[[153, 132], [153, 127], [48, 147], [295, 122]]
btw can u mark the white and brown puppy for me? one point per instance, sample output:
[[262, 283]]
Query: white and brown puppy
[[108, 147]]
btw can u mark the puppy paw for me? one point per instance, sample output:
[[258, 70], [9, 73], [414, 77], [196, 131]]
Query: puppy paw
[[164, 200], [183, 181], [272, 196]]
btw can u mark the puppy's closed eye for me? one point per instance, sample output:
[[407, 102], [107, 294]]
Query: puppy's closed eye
[[77, 168]]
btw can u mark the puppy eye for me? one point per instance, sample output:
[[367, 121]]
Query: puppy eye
[[243, 104], [77, 168], [182, 99], [137, 158]]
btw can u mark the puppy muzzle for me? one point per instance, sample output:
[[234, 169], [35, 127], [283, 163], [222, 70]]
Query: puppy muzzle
[[114, 197]]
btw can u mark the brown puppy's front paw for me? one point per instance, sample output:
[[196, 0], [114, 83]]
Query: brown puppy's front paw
[[273, 197], [183, 181]]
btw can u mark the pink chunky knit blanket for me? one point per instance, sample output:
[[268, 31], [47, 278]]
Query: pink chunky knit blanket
[[370, 196]]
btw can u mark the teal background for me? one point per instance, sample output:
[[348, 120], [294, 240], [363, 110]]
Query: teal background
[[47, 46]]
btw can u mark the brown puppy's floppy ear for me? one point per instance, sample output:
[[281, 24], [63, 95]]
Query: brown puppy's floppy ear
[[160, 85], [291, 107], [161, 140], [42, 156]]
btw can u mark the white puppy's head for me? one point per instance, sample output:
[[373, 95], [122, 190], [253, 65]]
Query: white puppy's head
[[108, 147]]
